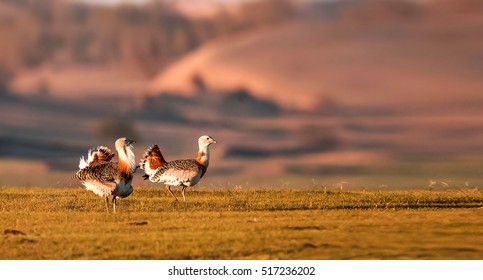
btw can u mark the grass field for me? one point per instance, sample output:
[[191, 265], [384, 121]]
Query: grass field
[[70, 223]]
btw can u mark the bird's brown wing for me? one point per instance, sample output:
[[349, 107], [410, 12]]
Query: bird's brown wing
[[152, 160], [101, 154]]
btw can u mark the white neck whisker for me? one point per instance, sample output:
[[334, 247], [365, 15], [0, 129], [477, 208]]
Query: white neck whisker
[[127, 155]]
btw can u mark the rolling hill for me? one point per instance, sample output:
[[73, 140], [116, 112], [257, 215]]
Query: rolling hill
[[422, 59]]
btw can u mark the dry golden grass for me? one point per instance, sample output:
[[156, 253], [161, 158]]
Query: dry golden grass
[[49, 223]]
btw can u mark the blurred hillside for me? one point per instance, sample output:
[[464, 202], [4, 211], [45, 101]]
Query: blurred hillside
[[45, 38], [368, 53], [376, 93]]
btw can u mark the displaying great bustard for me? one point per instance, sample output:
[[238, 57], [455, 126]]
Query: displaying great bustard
[[104, 177], [183, 173]]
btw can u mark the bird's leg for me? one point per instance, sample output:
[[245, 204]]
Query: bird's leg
[[114, 203], [107, 203], [182, 192], [169, 189]]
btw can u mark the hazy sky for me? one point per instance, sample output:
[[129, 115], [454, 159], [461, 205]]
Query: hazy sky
[[114, 2]]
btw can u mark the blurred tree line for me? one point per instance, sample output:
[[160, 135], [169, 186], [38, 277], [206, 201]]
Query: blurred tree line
[[145, 37]]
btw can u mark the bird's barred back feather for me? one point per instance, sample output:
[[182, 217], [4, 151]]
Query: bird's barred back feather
[[179, 172], [106, 179], [102, 172]]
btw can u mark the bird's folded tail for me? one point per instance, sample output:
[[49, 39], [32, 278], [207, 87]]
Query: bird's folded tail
[[99, 154], [152, 160]]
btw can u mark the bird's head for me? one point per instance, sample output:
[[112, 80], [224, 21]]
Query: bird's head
[[123, 143], [205, 141]]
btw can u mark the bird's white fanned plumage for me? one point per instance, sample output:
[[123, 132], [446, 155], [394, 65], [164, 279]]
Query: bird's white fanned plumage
[[104, 177], [100, 153]]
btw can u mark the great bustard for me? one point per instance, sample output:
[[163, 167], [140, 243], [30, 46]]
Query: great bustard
[[184, 173], [104, 177]]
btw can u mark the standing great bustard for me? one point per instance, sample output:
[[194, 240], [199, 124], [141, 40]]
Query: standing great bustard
[[103, 177], [184, 173]]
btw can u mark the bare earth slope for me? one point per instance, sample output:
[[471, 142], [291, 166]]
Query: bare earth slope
[[428, 60]]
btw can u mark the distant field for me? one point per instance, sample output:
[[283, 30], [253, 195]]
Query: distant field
[[66, 223]]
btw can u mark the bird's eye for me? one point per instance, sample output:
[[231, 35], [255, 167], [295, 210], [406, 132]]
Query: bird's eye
[[207, 138]]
